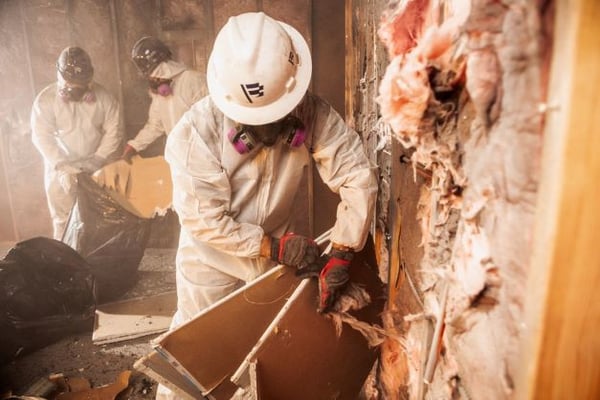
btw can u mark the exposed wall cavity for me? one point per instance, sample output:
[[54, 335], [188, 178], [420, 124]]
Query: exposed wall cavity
[[462, 95]]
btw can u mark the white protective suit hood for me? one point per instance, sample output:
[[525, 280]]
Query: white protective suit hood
[[164, 112], [168, 69]]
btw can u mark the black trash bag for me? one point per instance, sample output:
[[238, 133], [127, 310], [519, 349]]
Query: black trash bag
[[46, 293], [110, 238]]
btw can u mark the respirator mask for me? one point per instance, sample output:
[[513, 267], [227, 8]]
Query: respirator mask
[[244, 138], [74, 92], [160, 86]]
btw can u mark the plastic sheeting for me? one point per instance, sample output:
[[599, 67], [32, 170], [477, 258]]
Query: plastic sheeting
[[111, 239]]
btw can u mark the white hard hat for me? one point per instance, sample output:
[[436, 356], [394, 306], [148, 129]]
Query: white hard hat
[[259, 69]]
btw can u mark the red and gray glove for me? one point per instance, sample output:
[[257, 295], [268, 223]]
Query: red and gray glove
[[332, 272], [294, 250]]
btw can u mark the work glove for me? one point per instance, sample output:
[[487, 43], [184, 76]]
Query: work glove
[[128, 152], [332, 273], [294, 250], [66, 173]]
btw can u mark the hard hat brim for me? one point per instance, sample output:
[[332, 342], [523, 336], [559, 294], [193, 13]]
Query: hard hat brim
[[277, 109]]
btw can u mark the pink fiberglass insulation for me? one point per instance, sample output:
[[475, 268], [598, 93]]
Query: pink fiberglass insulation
[[481, 148]]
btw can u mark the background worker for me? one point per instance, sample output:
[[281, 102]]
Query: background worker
[[237, 159], [173, 89], [75, 126]]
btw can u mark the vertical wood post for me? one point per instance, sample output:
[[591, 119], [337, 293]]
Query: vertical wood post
[[561, 342]]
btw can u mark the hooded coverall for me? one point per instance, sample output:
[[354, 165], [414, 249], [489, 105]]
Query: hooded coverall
[[69, 131], [227, 201], [165, 111]]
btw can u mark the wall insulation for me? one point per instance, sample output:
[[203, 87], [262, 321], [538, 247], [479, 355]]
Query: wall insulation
[[458, 138]]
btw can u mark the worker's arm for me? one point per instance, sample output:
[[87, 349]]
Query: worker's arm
[[152, 130], [44, 130], [344, 167], [112, 137], [346, 170]]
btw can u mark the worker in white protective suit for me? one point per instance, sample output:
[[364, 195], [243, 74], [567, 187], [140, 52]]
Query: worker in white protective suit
[[173, 89], [76, 128], [237, 159]]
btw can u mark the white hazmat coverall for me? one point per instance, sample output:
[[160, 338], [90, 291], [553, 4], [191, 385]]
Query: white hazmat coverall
[[227, 201], [165, 111], [69, 131]]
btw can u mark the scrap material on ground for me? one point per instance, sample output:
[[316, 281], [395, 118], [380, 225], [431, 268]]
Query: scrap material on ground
[[107, 392], [133, 318]]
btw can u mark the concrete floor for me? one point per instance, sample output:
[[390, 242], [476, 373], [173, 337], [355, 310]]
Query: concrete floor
[[77, 356]]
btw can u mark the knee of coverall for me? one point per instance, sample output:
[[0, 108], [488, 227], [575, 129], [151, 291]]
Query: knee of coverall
[[60, 203], [208, 286]]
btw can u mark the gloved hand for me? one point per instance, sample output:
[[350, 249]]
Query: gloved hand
[[128, 152], [332, 272], [66, 175], [294, 250]]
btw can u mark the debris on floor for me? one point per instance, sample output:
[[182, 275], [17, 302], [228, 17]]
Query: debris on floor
[[133, 318], [61, 387]]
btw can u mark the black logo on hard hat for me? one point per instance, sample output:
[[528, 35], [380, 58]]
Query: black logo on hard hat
[[253, 89]]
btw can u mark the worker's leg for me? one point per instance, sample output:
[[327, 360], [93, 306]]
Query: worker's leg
[[60, 204], [208, 286]]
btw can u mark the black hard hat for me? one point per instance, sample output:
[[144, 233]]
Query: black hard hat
[[75, 65], [148, 52]]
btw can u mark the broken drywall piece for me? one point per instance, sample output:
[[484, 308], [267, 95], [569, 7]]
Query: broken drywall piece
[[133, 318], [300, 339], [158, 368], [205, 351], [209, 348], [107, 392], [143, 187]]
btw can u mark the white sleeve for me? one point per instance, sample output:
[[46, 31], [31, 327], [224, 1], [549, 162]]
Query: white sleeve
[[201, 188], [43, 128], [344, 167], [152, 130], [112, 137]]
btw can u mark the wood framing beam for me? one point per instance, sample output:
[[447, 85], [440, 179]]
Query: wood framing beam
[[561, 346]]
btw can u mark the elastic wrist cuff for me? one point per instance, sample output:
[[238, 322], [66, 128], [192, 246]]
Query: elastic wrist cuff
[[275, 249], [341, 254]]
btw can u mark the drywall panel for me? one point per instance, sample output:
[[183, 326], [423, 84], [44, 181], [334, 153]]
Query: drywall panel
[[91, 29], [302, 357], [134, 19], [133, 318], [222, 10], [295, 13], [210, 347]]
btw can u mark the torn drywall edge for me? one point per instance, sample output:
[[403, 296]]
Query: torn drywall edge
[[180, 369], [144, 365], [274, 270], [208, 383], [321, 239]]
